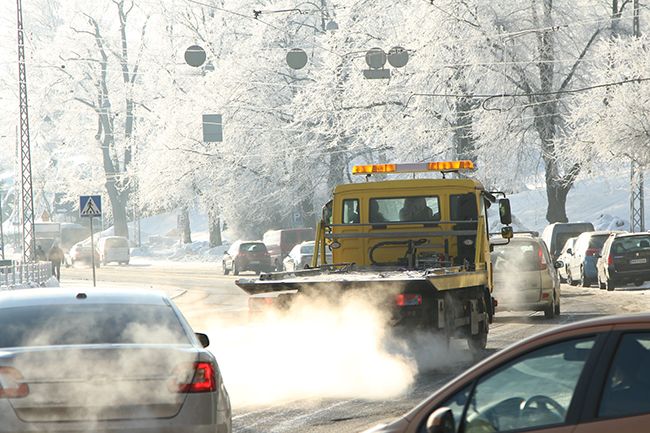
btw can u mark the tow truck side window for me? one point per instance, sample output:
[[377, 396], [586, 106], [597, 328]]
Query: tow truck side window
[[351, 211]]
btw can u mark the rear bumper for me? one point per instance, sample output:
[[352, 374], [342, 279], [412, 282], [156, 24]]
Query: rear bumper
[[533, 306], [628, 276], [198, 415]]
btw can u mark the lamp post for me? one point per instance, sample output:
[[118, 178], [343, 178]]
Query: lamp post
[[2, 234]]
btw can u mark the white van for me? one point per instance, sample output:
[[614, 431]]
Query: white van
[[114, 249]]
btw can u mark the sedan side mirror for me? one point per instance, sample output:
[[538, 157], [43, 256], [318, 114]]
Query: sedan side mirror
[[441, 421], [203, 339], [559, 264]]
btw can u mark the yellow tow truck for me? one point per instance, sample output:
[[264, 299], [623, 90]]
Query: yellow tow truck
[[420, 247]]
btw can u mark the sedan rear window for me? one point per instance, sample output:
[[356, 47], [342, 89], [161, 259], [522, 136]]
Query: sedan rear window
[[57, 325], [252, 248], [631, 243], [517, 255]]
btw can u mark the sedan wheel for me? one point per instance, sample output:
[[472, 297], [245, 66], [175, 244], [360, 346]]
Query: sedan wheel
[[584, 282], [549, 310], [226, 271]]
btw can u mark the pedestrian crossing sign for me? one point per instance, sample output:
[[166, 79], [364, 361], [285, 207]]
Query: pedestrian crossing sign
[[90, 206]]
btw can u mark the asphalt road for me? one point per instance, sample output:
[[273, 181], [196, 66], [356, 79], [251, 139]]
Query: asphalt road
[[211, 301]]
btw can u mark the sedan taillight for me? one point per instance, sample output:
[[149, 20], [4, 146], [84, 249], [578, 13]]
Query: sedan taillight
[[193, 378], [11, 383]]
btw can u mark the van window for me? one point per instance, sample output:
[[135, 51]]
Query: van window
[[351, 211], [116, 243], [404, 209]]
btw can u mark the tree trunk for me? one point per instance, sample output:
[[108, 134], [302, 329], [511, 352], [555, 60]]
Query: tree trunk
[[464, 145], [185, 230], [556, 194], [118, 206], [214, 223]]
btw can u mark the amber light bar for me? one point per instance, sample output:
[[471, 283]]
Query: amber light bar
[[418, 167]]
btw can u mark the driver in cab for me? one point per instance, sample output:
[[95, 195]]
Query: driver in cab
[[415, 209]]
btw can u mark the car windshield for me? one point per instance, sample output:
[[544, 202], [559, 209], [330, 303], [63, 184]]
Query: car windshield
[[631, 244], [55, 325], [252, 248]]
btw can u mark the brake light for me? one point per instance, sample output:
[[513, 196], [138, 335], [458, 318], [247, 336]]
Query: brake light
[[408, 299], [193, 378], [610, 260], [541, 259], [592, 252], [11, 383]]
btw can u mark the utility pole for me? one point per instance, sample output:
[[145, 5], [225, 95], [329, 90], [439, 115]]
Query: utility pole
[[25, 151], [637, 208]]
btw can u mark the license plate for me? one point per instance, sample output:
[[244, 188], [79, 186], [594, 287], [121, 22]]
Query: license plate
[[254, 263], [638, 261]]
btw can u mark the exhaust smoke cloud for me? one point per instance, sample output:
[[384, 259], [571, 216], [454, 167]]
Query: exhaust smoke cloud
[[321, 348]]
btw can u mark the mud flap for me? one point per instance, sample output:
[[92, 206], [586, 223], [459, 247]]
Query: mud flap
[[442, 323], [474, 317]]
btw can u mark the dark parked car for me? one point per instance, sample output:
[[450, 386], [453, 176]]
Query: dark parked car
[[245, 256], [582, 258], [587, 377], [625, 258]]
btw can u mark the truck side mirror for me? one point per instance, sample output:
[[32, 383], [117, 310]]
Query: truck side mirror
[[441, 421], [569, 251], [507, 232], [504, 211]]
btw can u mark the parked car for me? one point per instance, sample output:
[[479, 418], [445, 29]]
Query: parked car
[[564, 258], [245, 256], [114, 249], [525, 277], [80, 253], [625, 258], [555, 235], [105, 360], [300, 256], [581, 260], [280, 242], [589, 376]]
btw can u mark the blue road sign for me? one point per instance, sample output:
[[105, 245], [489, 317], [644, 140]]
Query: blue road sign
[[90, 206]]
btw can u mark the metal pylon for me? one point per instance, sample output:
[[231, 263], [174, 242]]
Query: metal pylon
[[25, 151], [637, 211]]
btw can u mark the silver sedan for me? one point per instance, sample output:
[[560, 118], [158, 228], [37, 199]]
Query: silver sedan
[[96, 360]]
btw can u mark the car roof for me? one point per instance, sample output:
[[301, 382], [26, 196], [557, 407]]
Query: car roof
[[60, 296], [625, 235]]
